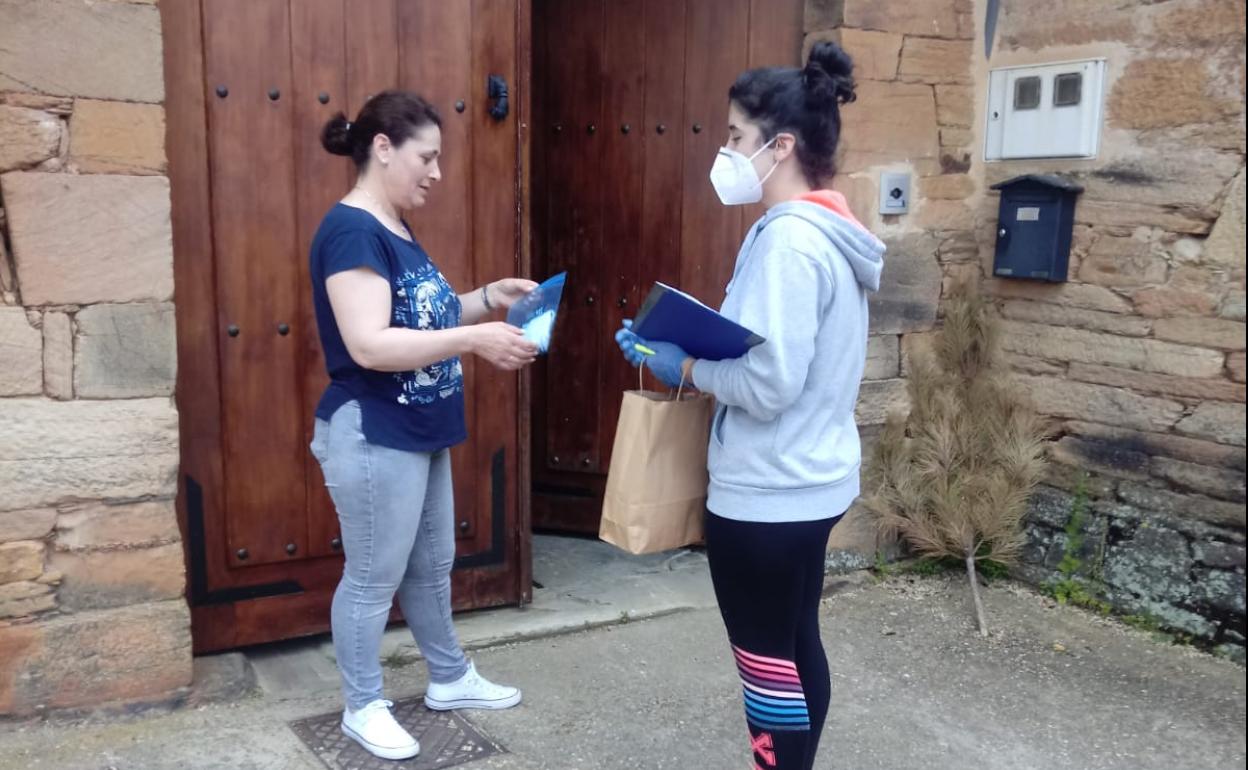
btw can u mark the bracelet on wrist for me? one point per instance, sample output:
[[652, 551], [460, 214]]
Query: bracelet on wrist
[[485, 298]]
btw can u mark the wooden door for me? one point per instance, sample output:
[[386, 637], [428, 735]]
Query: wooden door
[[630, 105], [249, 85]]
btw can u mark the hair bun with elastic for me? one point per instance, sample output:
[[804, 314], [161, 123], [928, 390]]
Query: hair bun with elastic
[[336, 135], [828, 75]]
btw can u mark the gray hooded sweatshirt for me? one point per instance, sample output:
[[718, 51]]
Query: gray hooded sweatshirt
[[784, 445]]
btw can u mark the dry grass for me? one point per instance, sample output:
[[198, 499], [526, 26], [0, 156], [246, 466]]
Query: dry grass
[[952, 478]]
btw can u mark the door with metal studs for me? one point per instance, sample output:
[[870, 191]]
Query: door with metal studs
[[630, 104], [249, 85]]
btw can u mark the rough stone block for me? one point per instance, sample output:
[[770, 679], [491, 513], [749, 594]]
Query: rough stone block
[[1121, 214], [125, 351], [8, 295], [1162, 445], [823, 15], [1208, 26], [99, 50], [1124, 263], [951, 187], [932, 60], [26, 598], [1050, 507], [1220, 555], [954, 138], [1225, 245], [910, 287], [1088, 555], [27, 137], [88, 658], [1182, 507], [91, 238], [1100, 457], [1169, 175], [1079, 318], [1030, 365], [883, 357], [861, 192], [955, 106], [1174, 300], [1036, 544], [1222, 483], [21, 351], [875, 54], [117, 137], [1164, 611], [1220, 422], [1234, 306], [1065, 23], [1064, 294], [1205, 332], [1235, 367], [932, 18], [888, 123], [1071, 479], [879, 399], [1218, 590], [58, 356], [935, 214], [1065, 344], [1097, 403], [1187, 388], [958, 247], [57, 451], [114, 578], [22, 560], [1160, 93], [1154, 562], [60, 106], [30, 524], [103, 525], [855, 535]]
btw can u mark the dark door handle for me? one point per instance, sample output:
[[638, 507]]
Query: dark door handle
[[497, 90]]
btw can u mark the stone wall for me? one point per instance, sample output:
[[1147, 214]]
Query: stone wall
[[1140, 357], [913, 113], [91, 564]]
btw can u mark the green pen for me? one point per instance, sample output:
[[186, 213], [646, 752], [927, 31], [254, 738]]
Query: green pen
[[643, 349]]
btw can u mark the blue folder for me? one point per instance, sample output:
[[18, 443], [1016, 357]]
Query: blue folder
[[670, 315], [536, 311]]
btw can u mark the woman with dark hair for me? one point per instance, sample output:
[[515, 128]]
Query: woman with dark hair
[[393, 331], [784, 455]]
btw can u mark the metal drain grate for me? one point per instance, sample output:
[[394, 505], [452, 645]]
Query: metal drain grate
[[446, 740]]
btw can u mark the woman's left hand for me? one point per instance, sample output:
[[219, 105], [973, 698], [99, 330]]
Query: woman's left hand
[[508, 291]]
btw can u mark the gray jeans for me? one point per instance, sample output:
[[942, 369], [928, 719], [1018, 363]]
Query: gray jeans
[[397, 512]]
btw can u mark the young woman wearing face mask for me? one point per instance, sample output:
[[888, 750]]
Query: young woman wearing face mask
[[784, 455], [393, 331]]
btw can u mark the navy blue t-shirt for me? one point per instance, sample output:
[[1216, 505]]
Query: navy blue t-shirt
[[418, 411]]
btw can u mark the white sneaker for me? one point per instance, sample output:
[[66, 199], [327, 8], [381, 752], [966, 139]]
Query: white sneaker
[[472, 691], [374, 728]]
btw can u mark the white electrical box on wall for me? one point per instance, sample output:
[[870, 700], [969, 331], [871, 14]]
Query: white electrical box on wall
[[1045, 111]]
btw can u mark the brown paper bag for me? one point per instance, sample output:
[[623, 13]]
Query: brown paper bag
[[656, 484]]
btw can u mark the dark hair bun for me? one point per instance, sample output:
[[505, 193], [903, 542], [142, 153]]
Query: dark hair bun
[[828, 76], [335, 136]]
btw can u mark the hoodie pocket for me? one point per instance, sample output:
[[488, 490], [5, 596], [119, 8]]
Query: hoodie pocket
[[717, 425]]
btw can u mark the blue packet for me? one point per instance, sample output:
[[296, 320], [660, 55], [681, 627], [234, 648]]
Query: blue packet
[[536, 311]]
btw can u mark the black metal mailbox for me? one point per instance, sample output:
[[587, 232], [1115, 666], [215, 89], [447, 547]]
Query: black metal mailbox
[[1035, 223]]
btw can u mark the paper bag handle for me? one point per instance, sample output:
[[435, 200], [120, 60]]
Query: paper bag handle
[[641, 384]]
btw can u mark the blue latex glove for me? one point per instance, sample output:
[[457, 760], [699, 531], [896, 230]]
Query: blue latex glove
[[666, 361]]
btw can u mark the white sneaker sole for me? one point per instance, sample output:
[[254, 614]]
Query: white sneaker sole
[[473, 703], [385, 752]]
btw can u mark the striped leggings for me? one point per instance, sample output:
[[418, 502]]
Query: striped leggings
[[768, 580]]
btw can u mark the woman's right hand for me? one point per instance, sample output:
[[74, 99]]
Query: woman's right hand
[[503, 345]]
